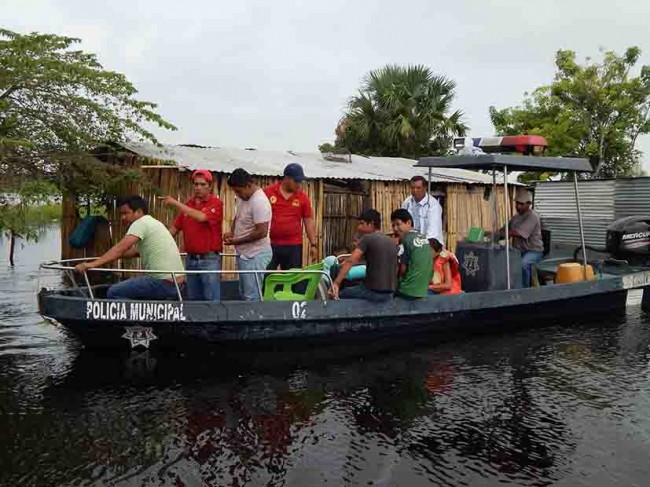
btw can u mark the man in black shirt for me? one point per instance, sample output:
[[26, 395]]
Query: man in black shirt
[[380, 254]]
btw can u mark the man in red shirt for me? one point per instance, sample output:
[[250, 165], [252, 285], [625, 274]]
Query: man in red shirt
[[200, 219], [291, 207]]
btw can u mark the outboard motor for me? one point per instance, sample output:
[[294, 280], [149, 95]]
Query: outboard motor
[[629, 239]]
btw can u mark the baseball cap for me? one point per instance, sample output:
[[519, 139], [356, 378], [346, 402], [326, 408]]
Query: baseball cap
[[523, 196], [204, 173], [295, 172]]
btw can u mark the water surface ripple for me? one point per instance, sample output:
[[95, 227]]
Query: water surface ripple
[[567, 403]]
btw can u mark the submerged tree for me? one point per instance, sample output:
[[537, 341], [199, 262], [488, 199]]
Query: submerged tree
[[401, 112], [596, 110], [25, 213]]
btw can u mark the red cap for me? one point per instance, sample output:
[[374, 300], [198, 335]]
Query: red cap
[[204, 173]]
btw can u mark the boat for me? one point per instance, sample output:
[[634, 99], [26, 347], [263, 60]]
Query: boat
[[95, 321]]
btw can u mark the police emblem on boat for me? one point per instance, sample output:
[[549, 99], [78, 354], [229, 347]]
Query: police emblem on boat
[[139, 335], [470, 264]]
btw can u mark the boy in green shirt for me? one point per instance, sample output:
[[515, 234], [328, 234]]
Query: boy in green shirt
[[416, 263]]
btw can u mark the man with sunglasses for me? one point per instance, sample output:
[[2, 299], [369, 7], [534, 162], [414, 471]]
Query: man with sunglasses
[[200, 219]]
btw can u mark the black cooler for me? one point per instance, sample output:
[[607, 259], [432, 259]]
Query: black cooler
[[483, 267]]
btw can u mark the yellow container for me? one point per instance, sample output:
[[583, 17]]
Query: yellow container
[[573, 272]]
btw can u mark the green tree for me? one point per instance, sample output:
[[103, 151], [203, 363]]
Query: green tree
[[57, 103], [595, 110], [24, 214], [401, 112], [326, 147]]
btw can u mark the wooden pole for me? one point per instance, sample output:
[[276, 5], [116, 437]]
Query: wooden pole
[[12, 246]]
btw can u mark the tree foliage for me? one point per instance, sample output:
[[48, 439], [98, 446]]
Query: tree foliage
[[401, 112], [595, 110], [57, 103]]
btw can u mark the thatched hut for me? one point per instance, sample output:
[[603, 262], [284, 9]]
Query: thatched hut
[[338, 186]]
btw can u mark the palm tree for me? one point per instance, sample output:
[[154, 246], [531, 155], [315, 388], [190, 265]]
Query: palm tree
[[401, 111]]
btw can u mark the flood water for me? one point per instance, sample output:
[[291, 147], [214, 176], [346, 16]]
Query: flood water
[[567, 403]]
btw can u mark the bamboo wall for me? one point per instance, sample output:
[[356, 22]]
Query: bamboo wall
[[466, 207], [386, 197], [339, 223]]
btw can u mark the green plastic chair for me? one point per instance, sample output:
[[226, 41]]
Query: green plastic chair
[[475, 234], [288, 280]]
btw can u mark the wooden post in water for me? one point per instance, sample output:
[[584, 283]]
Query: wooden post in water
[[12, 246], [645, 301]]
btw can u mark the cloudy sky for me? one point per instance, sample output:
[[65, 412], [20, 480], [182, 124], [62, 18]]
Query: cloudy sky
[[277, 74]]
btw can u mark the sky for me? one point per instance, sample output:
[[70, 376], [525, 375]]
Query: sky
[[277, 75]]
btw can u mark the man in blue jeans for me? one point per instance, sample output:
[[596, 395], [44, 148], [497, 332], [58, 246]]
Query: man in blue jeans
[[200, 219], [149, 239], [250, 234], [525, 229], [380, 253]]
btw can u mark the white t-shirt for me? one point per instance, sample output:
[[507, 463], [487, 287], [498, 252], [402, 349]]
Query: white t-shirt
[[427, 216], [248, 213]]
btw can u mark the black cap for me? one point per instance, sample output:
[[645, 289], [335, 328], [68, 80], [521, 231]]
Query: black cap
[[295, 172]]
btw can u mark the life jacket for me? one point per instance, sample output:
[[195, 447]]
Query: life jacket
[[438, 272]]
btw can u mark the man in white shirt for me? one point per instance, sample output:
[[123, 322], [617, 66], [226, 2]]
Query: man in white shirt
[[425, 210], [250, 234]]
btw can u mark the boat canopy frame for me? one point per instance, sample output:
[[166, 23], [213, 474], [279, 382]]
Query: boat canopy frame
[[507, 163]]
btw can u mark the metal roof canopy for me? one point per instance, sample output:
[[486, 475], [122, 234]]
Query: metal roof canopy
[[513, 163]]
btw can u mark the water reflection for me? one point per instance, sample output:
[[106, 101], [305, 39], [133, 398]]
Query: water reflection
[[556, 404]]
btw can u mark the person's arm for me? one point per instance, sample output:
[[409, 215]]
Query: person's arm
[[434, 224], [227, 236], [131, 253], [402, 266], [351, 261], [174, 230], [526, 227], [445, 284], [118, 250], [310, 230], [261, 219], [197, 215], [259, 232]]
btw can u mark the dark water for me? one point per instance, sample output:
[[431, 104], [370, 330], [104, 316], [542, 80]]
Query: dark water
[[564, 404]]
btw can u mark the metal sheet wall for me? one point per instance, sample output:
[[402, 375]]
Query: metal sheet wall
[[632, 197], [555, 203]]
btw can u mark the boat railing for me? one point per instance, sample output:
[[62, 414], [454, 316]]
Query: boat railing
[[68, 267]]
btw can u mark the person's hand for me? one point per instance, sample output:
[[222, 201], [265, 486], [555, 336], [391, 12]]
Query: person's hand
[[313, 253], [333, 293], [83, 267], [227, 238], [169, 201]]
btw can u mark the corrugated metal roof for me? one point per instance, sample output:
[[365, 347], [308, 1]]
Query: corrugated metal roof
[[272, 163]]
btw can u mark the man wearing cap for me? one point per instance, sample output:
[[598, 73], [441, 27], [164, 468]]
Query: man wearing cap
[[200, 219], [291, 207], [525, 230]]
